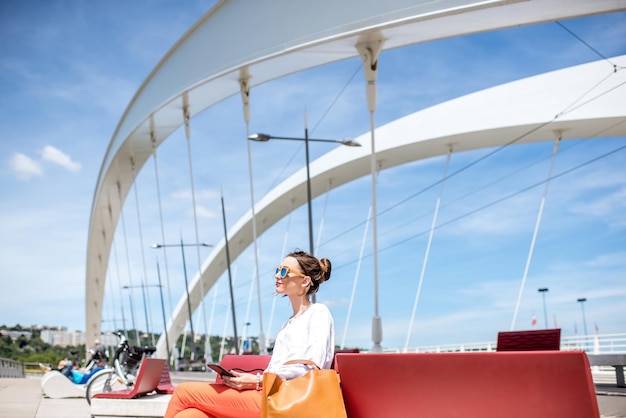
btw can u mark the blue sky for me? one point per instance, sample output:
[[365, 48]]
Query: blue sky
[[69, 69]]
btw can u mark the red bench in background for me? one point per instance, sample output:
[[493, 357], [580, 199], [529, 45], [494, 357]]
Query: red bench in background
[[259, 362], [532, 340], [244, 363], [555, 384], [137, 401], [165, 386], [148, 377]]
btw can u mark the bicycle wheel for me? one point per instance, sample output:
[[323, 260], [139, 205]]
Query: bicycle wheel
[[104, 381]]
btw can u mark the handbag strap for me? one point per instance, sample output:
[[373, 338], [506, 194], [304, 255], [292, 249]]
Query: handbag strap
[[308, 362]]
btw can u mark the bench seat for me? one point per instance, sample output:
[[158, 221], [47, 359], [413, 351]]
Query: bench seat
[[149, 406]]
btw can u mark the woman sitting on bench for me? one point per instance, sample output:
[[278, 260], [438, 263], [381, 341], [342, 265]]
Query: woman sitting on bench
[[307, 335]]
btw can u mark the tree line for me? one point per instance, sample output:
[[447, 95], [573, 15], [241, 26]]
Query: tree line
[[35, 350]]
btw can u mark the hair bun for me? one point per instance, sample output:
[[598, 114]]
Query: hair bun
[[325, 268]]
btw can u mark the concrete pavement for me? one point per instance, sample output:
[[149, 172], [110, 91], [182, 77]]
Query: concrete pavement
[[22, 398]]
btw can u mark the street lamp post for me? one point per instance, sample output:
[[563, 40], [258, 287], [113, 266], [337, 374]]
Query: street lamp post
[[182, 250], [582, 307], [347, 142], [167, 338], [249, 346], [143, 286], [543, 291], [132, 317]]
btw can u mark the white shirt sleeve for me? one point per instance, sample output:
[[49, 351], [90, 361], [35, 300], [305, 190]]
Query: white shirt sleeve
[[310, 336]]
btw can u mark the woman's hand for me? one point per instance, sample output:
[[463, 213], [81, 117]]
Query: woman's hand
[[241, 381]]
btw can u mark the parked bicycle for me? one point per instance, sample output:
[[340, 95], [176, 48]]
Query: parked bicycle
[[97, 357], [122, 374]]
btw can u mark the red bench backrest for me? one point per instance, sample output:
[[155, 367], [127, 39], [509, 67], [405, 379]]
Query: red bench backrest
[[555, 384], [542, 339], [165, 385]]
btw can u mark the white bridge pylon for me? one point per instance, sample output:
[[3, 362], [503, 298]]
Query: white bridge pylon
[[195, 81]]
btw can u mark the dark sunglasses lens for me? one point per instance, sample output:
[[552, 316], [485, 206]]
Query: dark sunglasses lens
[[283, 272]]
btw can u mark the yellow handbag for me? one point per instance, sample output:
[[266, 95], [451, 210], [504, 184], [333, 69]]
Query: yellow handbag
[[316, 394]]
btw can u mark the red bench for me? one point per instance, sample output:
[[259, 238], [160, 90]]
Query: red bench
[[165, 386], [555, 384], [248, 363], [148, 378], [532, 340], [512, 384]]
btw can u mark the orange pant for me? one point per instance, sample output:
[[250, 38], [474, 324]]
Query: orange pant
[[211, 400]]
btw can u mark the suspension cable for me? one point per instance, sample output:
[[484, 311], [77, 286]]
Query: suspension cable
[[144, 287], [427, 253]]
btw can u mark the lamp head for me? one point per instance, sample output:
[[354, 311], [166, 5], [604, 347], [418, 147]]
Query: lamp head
[[259, 137], [349, 143], [156, 246]]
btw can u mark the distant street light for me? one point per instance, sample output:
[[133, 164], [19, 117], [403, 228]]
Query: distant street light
[[132, 316], [543, 291], [182, 250], [347, 142], [582, 307], [249, 347], [145, 309]]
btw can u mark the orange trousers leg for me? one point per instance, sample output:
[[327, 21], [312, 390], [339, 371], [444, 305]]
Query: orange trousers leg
[[210, 400]]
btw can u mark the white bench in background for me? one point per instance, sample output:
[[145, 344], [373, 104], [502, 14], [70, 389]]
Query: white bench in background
[[56, 385], [618, 361]]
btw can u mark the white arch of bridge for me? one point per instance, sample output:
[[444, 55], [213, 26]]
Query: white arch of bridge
[[186, 80]]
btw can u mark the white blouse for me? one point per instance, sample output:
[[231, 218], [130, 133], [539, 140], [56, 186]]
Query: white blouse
[[309, 336]]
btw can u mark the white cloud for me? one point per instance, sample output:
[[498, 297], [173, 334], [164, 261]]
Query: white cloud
[[610, 207], [56, 156], [617, 259], [200, 194], [204, 212], [24, 166]]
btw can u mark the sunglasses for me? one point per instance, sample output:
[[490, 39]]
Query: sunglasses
[[283, 271]]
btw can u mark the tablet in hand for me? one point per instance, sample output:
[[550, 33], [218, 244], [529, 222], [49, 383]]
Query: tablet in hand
[[220, 370]]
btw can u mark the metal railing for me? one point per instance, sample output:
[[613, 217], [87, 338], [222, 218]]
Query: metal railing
[[11, 368], [592, 344]]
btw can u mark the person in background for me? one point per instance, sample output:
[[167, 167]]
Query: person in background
[[65, 367], [78, 376], [307, 335], [81, 378], [98, 353]]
